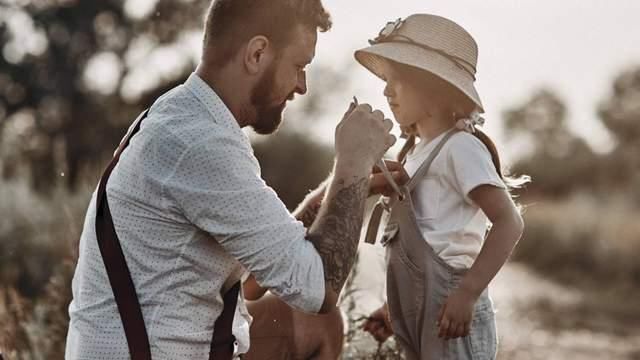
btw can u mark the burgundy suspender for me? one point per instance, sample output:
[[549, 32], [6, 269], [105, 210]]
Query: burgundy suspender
[[222, 343]]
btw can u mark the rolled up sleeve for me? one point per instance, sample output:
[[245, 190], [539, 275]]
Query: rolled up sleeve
[[217, 185]]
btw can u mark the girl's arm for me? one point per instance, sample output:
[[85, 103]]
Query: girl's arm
[[507, 229], [457, 312]]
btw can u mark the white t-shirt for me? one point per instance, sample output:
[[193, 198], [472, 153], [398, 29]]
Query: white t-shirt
[[452, 224]]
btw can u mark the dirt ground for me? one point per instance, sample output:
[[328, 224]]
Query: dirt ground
[[537, 318]]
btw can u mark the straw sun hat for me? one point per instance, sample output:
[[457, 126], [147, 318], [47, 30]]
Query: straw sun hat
[[428, 42]]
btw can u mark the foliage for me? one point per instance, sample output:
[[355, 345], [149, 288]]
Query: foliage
[[66, 97]]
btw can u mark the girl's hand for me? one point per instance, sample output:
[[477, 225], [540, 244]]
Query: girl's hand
[[379, 184], [379, 324], [456, 314]]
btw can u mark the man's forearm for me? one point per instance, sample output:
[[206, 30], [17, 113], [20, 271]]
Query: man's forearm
[[336, 230]]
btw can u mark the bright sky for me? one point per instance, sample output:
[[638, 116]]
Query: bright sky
[[575, 47]]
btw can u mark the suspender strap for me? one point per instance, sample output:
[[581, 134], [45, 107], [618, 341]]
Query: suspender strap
[[117, 270], [222, 343]]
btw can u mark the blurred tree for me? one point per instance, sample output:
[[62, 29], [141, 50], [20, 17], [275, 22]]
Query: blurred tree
[[66, 99], [620, 113], [73, 76], [293, 164], [63, 79], [559, 161]]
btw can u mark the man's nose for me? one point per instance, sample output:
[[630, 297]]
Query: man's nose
[[301, 86]]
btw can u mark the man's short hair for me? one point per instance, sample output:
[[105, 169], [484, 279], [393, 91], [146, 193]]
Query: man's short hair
[[231, 23]]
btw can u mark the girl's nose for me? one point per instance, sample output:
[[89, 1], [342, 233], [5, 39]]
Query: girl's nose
[[388, 91]]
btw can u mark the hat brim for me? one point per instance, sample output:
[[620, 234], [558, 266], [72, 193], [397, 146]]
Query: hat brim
[[373, 58]]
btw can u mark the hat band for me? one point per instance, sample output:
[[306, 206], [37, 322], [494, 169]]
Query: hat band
[[401, 39]]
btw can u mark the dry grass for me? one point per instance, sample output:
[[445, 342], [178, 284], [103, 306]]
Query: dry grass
[[37, 244], [579, 240], [357, 343], [36, 329], [583, 239]]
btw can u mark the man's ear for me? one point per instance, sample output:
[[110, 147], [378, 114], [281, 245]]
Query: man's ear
[[258, 54]]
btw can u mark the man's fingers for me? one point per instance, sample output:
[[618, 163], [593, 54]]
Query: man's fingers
[[391, 140], [365, 107], [388, 124], [378, 115]]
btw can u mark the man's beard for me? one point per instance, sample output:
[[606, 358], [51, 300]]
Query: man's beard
[[268, 117]]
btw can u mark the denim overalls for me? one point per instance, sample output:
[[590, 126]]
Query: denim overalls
[[419, 281]]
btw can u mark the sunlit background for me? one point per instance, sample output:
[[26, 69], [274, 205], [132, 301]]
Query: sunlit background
[[560, 81]]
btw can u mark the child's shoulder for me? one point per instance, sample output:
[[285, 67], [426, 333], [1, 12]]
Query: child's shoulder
[[462, 142]]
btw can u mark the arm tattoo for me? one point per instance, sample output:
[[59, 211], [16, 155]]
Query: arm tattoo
[[336, 232]]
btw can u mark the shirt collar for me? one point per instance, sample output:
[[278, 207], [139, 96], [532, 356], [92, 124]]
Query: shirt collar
[[211, 101]]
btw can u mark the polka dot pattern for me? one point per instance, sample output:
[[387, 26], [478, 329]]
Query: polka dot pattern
[[189, 208]]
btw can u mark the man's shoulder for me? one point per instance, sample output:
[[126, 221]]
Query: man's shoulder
[[182, 117]]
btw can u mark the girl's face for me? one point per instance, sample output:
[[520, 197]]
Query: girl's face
[[408, 103]]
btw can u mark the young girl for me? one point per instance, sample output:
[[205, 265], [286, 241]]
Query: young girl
[[440, 254]]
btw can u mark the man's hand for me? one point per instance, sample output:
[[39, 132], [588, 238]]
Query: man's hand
[[362, 137], [454, 319], [308, 209], [379, 324], [378, 184]]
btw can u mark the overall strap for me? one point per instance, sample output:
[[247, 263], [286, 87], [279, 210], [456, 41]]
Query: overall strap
[[222, 342], [386, 204], [424, 168]]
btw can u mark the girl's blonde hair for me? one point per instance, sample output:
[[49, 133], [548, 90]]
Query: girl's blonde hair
[[452, 101]]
